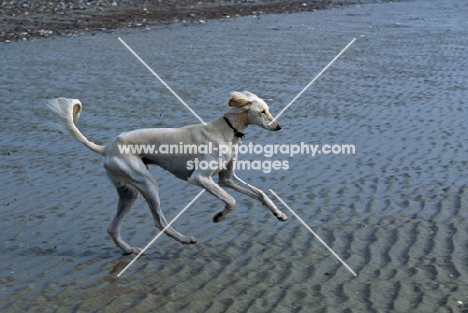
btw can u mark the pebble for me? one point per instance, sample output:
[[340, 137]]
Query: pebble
[[15, 14], [15, 8]]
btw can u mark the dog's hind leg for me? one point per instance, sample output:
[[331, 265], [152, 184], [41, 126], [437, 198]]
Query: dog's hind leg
[[127, 197], [134, 173], [149, 190]]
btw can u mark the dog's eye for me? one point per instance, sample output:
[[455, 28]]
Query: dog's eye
[[263, 112]]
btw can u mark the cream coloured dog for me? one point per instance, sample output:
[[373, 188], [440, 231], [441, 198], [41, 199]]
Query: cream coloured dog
[[129, 173]]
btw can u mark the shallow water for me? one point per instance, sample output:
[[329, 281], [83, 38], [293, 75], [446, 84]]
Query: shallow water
[[394, 211]]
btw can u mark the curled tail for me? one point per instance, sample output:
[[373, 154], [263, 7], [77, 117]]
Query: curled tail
[[68, 110]]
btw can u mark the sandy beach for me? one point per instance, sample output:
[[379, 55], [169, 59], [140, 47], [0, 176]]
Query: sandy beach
[[395, 211]]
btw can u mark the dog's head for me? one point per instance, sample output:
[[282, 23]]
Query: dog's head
[[255, 109]]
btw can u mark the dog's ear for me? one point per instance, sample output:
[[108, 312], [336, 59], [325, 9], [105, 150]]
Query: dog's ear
[[239, 100]]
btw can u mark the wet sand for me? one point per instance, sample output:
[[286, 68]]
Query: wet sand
[[395, 211]]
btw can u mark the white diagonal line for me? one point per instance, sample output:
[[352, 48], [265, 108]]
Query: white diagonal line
[[162, 81], [161, 232], [313, 233], [312, 81]]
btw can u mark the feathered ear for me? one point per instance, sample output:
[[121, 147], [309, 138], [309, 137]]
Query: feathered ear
[[239, 100]]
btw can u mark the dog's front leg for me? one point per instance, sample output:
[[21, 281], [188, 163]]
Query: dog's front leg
[[229, 179], [207, 183]]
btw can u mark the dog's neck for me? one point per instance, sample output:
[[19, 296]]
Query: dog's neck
[[237, 123]]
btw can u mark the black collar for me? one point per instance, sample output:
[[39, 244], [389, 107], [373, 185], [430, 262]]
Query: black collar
[[238, 134]]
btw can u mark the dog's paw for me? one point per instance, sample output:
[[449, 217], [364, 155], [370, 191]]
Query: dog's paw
[[281, 216], [189, 241], [134, 251], [218, 217]]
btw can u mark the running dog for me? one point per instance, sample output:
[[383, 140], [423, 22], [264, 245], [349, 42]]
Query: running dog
[[131, 177]]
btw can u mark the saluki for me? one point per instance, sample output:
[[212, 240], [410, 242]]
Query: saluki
[[128, 169]]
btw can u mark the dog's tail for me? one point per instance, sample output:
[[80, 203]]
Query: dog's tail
[[68, 110]]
